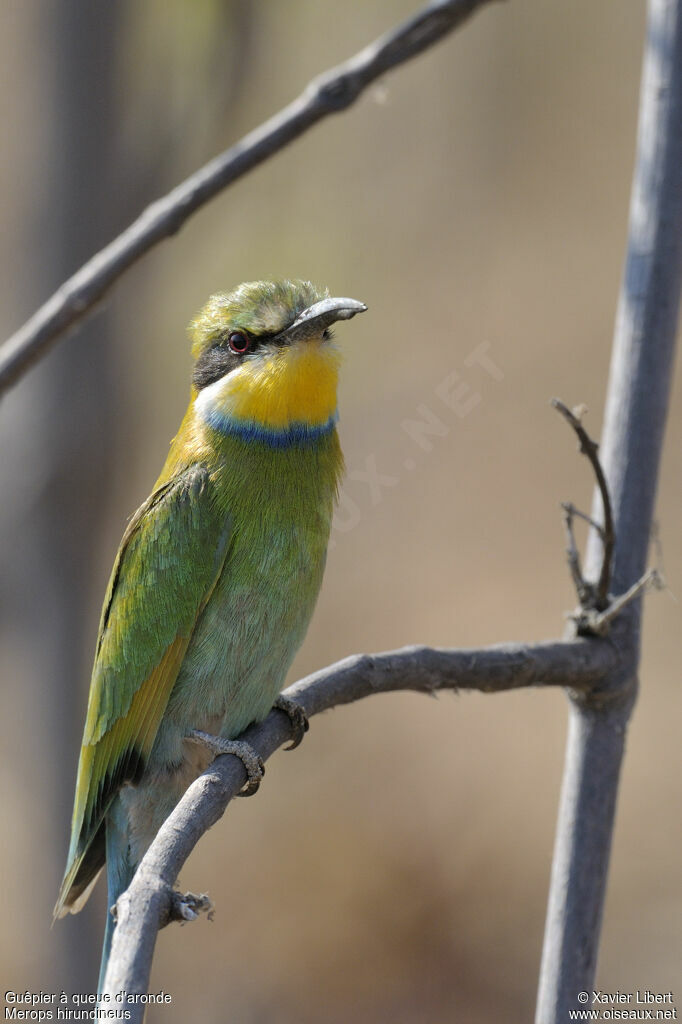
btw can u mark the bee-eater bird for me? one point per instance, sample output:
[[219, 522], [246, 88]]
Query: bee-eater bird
[[216, 576]]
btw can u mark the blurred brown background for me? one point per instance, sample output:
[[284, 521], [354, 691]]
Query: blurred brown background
[[396, 867]]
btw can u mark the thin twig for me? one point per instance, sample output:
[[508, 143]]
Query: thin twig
[[599, 622], [572, 555], [330, 93], [588, 621], [569, 507], [590, 448], [148, 904]]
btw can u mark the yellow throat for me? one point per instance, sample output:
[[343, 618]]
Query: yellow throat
[[292, 388]]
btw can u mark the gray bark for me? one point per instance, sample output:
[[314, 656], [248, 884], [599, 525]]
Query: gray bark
[[636, 409], [148, 904]]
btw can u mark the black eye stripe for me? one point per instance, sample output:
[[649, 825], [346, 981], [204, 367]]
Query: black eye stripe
[[217, 360], [212, 364]]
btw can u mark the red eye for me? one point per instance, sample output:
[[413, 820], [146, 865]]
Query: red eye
[[239, 342]]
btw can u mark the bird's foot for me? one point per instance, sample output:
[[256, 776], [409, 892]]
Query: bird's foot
[[255, 769], [297, 717]]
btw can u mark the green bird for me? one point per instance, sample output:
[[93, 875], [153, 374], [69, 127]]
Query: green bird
[[216, 576]]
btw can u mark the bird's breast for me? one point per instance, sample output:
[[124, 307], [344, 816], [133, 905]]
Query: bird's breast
[[249, 631]]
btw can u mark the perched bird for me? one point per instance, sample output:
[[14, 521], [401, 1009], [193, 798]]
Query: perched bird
[[216, 576]]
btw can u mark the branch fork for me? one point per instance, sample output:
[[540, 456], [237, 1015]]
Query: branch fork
[[598, 608]]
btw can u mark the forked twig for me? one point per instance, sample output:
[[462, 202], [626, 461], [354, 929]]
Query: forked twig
[[590, 595], [595, 614], [599, 622]]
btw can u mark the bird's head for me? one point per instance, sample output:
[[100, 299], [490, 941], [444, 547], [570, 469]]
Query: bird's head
[[265, 365]]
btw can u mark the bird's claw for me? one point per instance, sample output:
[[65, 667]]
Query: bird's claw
[[297, 717], [253, 764]]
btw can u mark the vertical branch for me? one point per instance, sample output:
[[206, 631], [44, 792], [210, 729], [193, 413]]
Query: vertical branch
[[636, 408], [53, 483]]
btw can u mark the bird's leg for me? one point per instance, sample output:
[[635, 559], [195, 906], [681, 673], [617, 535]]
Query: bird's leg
[[297, 717], [255, 769]]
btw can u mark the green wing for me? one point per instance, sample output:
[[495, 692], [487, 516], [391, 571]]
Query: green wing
[[169, 561]]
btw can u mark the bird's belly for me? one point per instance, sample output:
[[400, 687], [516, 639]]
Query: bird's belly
[[234, 668], [245, 640]]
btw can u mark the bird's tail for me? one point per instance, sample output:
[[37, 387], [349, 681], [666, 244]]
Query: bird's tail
[[120, 873]]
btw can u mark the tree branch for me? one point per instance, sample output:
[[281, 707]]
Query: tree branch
[[597, 597], [149, 904], [329, 93], [636, 409]]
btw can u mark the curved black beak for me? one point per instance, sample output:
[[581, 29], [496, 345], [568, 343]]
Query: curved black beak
[[314, 320]]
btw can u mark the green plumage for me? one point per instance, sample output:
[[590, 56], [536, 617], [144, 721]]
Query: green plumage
[[226, 562], [209, 599]]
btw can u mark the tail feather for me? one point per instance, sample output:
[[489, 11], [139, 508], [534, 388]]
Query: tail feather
[[120, 873], [80, 876]]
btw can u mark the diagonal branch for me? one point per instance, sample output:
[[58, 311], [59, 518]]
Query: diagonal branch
[[329, 93], [149, 904]]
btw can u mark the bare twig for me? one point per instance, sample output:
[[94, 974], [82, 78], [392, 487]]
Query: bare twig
[[327, 94], [573, 511], [588, 621], [147, 905], [599, 622], [599, 595], [572, 554], [636, 409]]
